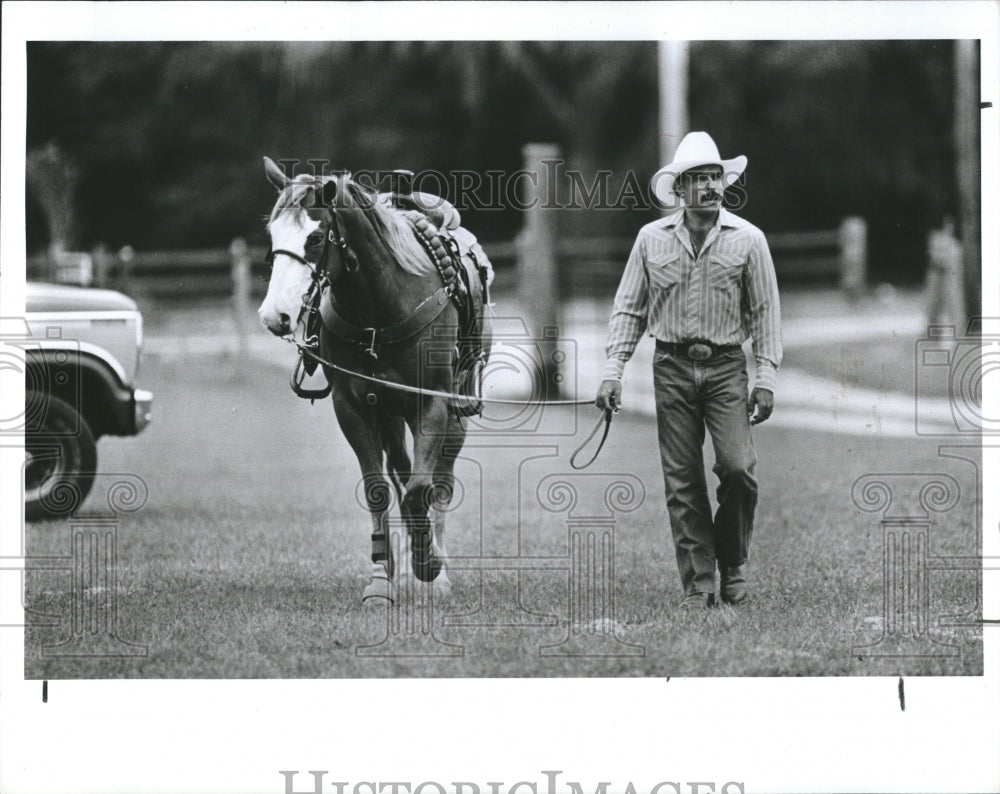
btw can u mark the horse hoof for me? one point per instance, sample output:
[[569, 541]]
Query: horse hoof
[[378, 590], [375, 597], [426, 565], [372, 603], [427, 569]]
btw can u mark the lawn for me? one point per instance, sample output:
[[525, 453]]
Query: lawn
[[249, 557], [884, 365]]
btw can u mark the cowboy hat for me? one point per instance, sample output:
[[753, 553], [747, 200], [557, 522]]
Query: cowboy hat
[[697, 148]]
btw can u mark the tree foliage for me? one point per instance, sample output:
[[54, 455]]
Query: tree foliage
[[167, 138], [835, 128]]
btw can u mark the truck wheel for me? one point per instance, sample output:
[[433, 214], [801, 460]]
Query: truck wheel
[[60, 458]]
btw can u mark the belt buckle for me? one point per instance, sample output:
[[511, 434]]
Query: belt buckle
[[699, 351]]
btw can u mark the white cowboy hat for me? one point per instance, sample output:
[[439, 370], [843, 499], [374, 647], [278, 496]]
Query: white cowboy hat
[[697, 148]]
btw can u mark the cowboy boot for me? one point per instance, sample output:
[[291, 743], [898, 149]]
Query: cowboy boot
[[733, 584], [698, 601]]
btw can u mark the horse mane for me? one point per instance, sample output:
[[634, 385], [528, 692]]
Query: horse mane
[[391, 226], [396, 232]]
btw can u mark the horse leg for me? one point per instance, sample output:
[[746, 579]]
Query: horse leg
[[442, 585], [380, 586], [364, 436], [428, 430], [393, 430], [399, 467], [444, 488]]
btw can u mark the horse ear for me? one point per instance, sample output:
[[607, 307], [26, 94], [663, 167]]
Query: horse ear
[[329, 193], [276, 176]]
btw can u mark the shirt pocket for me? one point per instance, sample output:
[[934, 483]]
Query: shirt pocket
[[664, 271], [727, 271]]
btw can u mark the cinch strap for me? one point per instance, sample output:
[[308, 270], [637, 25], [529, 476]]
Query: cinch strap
[[370, 338]]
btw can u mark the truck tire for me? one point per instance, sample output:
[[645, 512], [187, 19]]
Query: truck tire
[[60, 458]]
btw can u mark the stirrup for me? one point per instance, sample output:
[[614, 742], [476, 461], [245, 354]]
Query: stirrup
[[299, 375], [470, 386]]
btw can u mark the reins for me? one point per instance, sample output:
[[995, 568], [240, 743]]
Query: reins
[[606, 417]]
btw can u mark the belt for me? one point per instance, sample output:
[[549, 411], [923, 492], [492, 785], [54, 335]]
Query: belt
[[696, 351]]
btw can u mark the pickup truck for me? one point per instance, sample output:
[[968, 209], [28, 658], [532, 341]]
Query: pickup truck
[[82, 354]]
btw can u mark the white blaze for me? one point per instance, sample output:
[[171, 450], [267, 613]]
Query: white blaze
[[290, 279]]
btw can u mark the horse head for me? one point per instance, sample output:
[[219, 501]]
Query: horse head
[[308, 245], [322, 229]]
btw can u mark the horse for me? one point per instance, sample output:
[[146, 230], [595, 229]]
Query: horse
[[349, 254]]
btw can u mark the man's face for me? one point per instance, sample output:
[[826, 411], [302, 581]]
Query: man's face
[[701, 187]]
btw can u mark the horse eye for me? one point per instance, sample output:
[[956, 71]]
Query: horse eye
[[315, 238]]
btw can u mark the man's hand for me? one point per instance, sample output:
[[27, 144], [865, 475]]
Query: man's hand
[[760, 405], [609, 395]]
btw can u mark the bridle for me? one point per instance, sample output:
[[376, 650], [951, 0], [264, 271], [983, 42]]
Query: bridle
[[319, 271]]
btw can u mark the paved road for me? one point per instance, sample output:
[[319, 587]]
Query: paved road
[[813, 320]]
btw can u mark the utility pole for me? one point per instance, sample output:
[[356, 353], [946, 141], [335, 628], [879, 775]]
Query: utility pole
[[966, 141], [673, 69], [538, 264]]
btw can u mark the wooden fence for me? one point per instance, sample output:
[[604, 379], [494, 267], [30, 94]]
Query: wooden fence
[[587, 265]]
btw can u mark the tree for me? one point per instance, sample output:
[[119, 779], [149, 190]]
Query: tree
[[51, 180]]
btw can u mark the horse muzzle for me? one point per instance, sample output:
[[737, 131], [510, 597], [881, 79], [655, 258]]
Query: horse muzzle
[[278, 323]]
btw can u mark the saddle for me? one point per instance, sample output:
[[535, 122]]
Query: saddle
[[467, 273]]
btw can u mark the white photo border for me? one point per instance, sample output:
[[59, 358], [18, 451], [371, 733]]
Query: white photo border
[[842, 734]]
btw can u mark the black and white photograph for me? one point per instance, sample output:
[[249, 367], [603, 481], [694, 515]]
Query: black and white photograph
[[497, 397]]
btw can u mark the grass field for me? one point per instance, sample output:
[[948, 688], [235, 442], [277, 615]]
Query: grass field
[[884, 365], [249, 558]]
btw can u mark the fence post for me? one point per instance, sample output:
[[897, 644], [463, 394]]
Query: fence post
[[538, 264], [239, 254], [945, 299], [126, 258], [853, 256], [99, 256]]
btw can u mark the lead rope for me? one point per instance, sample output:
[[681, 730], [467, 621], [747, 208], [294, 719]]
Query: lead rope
[[608, 413], [606, 418]]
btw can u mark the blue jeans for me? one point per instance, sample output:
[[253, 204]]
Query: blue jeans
[[692, 396]]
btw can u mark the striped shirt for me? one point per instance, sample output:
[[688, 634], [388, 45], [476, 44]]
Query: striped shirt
[[724, 295]]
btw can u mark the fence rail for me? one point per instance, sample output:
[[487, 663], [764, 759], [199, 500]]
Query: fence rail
[[586, 264]]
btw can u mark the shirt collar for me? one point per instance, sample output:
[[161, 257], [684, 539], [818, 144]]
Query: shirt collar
[[726, 218]]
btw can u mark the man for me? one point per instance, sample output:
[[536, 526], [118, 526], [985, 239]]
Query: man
[[702, 282]]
